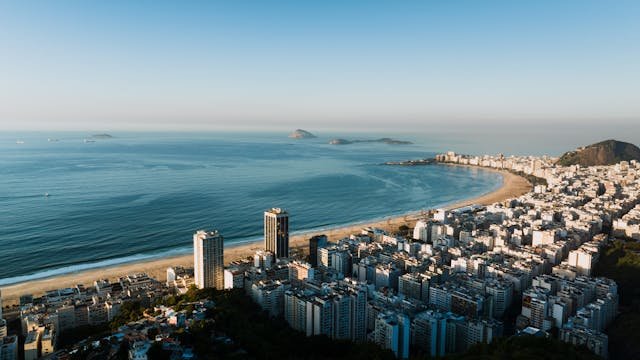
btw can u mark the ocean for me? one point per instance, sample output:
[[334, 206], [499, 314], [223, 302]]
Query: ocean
[[141, 195]]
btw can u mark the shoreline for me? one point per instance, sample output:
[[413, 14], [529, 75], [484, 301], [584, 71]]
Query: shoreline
[[512, 186]]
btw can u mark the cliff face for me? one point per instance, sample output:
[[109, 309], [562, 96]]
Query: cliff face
[[607, 152]]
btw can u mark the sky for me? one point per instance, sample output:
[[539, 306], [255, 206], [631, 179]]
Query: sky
[[191, 65]]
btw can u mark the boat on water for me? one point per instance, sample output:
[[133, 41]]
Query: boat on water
[[46, 194], [52, 140], [89, 141], [19, 142]]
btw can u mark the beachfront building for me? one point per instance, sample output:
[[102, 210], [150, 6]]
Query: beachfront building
[[422, 230], [208, 259], [276, 232], [315, 243]]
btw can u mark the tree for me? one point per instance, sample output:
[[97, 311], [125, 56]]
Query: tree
[[156, 352], [129, 311]]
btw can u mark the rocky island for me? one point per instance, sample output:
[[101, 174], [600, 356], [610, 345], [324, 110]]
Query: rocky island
[[388, 141], [301, 134], [102, 136], [339, 142]]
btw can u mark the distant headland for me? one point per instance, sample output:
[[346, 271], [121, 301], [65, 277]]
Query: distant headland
[[606, 152], [388, 141]]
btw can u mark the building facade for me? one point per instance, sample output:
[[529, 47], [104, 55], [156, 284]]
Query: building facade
[[208, 259], [276, 232]]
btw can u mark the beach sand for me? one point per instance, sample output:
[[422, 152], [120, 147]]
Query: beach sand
[[512, 186]]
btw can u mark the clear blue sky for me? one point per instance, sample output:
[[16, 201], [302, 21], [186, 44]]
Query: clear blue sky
[[324, 64]]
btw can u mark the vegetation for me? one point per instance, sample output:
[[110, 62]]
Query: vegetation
[[404, 230], [621, 262], [129, 311], [238, 328], [526, 347], [90, 332], [157, 353], [607, 152]]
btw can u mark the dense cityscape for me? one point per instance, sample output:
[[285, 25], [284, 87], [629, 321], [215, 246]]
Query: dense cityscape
[[454, 279]]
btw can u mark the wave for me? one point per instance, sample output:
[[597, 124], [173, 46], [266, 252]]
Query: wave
[[22, 197], [88, 266]]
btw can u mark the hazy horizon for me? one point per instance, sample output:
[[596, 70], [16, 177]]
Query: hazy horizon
[[120, 65], [472, 139]]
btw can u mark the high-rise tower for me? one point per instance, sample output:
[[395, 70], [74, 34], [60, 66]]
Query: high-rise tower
[[276, 232], [208, 259]]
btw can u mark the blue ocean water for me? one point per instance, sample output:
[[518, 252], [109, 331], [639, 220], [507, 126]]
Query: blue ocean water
[[138, 195]]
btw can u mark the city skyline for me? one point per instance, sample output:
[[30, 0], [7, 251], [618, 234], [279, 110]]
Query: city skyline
[[257, 65]]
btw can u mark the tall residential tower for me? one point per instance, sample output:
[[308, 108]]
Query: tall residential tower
[[208, 259], [276, 232]]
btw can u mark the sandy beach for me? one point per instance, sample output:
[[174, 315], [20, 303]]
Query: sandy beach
[[512, 186]]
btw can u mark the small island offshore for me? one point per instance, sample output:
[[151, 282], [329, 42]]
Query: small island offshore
[[102, 136], [301, 134]]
